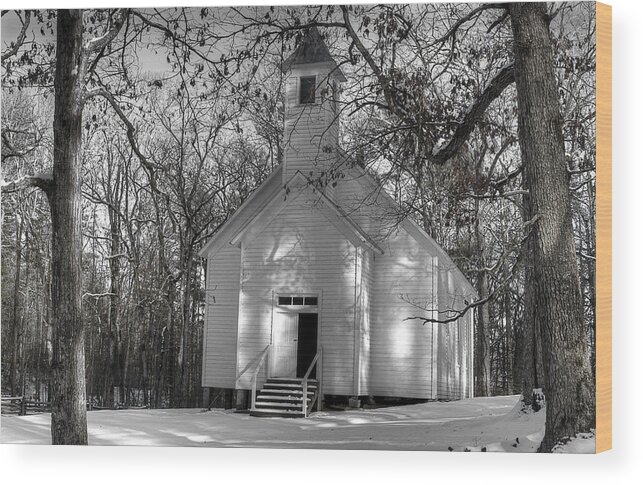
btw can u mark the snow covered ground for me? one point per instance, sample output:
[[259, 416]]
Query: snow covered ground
[[581, 443], [480, 424]]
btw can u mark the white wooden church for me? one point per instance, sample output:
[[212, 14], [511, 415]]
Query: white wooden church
[[309, 291]]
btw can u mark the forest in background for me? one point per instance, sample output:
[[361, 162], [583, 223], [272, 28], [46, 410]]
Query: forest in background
[[169, 153]]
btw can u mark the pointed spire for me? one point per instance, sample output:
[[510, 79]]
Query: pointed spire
[[311, 50]]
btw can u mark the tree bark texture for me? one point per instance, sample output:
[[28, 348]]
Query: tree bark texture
[[68, 418], [482, 362], [529, 350], [482, 357], [558, 306]]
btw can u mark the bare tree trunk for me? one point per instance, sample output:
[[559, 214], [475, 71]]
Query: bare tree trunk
[[558, 305], [144, 376], [482, 363], [508, 360], [125, 369], [40, 338], [68, 418], [186, 322], [22, 340], [16, 327], [114, 311], [482, 357]]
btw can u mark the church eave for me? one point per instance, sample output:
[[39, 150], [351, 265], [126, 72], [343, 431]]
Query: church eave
[[410, 226], [219, 236]]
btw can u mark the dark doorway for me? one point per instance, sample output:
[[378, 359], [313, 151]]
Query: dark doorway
[[306, 343]]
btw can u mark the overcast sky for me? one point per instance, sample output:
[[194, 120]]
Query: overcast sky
[[10, 28]]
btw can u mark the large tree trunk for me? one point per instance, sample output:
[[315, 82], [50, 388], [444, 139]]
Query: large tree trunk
[[558, 305], [68, 417]]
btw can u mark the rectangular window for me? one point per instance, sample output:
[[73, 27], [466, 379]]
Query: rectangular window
[[307, 90], [297, 300]]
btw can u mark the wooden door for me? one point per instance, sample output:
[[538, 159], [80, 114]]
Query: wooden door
[[284, 345]]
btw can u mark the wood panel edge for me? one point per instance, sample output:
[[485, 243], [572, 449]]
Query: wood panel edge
[[603, 227]]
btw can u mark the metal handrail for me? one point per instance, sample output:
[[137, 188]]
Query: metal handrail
[[262, 358], [304, 383]]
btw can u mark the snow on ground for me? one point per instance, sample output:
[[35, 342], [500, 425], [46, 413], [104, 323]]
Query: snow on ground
[[581, 443], [479, 424]]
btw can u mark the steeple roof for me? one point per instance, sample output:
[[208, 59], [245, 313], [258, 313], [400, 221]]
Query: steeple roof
[[311, 50]]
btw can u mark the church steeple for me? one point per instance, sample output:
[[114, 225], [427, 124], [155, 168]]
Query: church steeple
[[311, 131]]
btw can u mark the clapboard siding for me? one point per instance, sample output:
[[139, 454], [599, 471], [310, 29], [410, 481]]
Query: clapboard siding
[[311, 130], [445, 353], [400, 351], [455, 338], [300, 251], [438, 364], [365, 301], [222, 310], [367, 208]]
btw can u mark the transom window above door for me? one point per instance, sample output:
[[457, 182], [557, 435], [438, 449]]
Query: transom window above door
[[294, 300]]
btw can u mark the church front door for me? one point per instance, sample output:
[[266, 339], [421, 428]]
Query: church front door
[[294, 344]]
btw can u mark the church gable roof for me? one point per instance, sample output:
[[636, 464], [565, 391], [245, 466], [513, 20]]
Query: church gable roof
[[270, 198], [310, 50], [254, 212], [253, 204], [371, 186], [323, 204]]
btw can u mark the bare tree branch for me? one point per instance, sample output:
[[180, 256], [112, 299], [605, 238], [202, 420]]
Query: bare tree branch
[[457, 314], [383, 80], [99, 43], [504, 78], [499, 21], [494, 89], [42, 181], [13, 50], [472, 15], [131, 130], [98, 295]]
